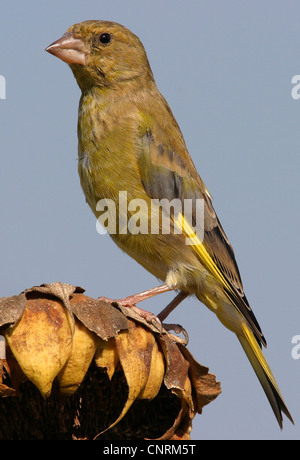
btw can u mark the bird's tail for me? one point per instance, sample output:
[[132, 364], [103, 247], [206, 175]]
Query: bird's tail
[[264, 373]]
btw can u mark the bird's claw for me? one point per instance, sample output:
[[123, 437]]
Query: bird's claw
[[146, 315]]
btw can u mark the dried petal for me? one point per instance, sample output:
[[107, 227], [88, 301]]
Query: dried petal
[[6, 391], [134, 348], [177, 366], [107, 356], [172, 432], [41, 341], [12, 308], [98, 316], [156, 373], [82, 353], [205, 385]]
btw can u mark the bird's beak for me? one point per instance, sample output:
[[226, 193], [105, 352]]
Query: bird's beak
[[69, 49]]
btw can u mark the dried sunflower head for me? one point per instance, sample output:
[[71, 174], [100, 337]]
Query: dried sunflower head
[[79, 368]]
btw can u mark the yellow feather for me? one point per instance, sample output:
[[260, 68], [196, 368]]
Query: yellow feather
[[199, 248], [264, 373]]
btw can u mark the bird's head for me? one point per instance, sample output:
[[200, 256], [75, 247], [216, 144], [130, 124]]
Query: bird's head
[[102, 53]]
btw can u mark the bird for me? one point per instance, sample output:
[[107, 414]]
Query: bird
[[130, 146]]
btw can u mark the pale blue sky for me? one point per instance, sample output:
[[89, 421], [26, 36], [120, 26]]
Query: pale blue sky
[[225, 67]]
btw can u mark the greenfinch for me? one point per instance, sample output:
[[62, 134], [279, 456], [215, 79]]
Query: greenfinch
[[131, 147]]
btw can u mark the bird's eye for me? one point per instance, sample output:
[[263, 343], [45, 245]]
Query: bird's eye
[[105, 38]]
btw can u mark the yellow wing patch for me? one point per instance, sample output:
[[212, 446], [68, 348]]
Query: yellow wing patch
[[199, 248]]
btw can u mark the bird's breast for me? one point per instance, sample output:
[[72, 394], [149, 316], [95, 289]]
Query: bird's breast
[[107, 144]]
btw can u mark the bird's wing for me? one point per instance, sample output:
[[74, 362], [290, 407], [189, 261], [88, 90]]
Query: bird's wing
[[167, 171]]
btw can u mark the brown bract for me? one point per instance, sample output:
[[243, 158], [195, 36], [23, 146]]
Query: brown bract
[[79, 368]]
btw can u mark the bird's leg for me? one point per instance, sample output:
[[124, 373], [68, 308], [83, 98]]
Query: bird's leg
[[132, 300], [172, 305]]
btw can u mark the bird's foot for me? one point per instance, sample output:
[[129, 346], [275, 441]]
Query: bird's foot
[[148, 316], [131, 301]]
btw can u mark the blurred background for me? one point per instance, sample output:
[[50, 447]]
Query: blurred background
[[226, 70]]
